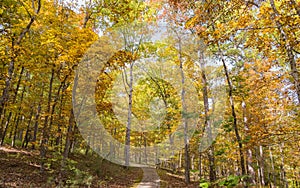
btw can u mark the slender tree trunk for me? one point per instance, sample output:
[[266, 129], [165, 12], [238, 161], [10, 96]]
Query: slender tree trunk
[[43, 146], [258, 170], [27, 136], [282, 169], [36, 122], [180, 160], [69, 135], [145, 147], [58, 138], [13, 141], [57, 96], [261, 166], [5, 128], [18, 118], [250, 168], [273, 169], [233, 113], [88, 146], [12, 130], [185, 122], [128, 127], [2, 123], [67, 146], [192, 162], [207, 123], [157, 161]]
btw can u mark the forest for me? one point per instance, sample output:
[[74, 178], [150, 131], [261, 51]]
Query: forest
[[150, 93]]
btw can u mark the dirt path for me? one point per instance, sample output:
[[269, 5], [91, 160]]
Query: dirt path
[[150, 178]]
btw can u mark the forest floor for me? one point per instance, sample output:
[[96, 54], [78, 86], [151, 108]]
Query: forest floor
[[21, 168]]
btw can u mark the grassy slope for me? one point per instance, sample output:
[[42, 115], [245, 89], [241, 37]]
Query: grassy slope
[[20, 168]]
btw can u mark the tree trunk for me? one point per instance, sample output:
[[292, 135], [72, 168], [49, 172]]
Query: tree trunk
[[69, 135], [261, 166], [27, 136], [128, 127], [180, 160], [250, 168], [192, 162], [67, 146], [5, 129], [36, 122], [2, 123], [207, 123], [145, 147], [273, 169], [58, 138], [233, 113], [282, 169], [185, 123], [43, 146], [18, 118], [55, 101]]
